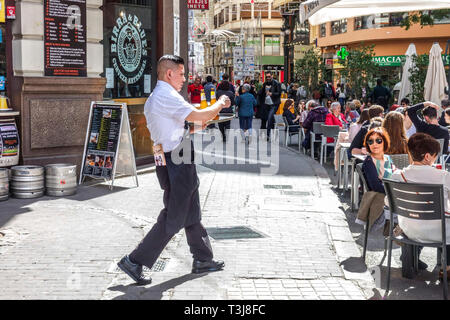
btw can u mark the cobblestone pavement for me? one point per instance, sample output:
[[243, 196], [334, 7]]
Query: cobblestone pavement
[[67, 248]]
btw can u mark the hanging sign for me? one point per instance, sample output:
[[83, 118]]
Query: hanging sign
[[9, 145], [108, 149], [65, 38], [11, 12], [198, 4]]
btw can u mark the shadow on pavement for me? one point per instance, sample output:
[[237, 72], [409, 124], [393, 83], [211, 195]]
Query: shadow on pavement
[[354, 265], [12, 207], [132, 291]]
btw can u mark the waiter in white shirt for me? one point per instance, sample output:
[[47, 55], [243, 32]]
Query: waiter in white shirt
[[167, 112]]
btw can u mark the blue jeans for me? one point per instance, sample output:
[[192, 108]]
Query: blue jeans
[[271, 119]]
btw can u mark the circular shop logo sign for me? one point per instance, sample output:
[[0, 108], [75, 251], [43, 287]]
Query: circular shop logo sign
[[128, 42]]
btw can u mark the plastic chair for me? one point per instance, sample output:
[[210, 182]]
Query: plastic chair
[[317, 129], [289, 134], [328, 132], [419, 202], [400, 161]]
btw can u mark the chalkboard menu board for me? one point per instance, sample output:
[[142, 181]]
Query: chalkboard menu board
[[108, 148], [103, 141], [9, 144], [65, 38]]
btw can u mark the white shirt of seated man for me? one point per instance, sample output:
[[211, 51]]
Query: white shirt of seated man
[[420, 230]]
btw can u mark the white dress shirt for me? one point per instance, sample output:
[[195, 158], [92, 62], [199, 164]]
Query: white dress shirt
[[420, 230], [165, 111]]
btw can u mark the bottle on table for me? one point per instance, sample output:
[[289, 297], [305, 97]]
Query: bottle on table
[[203, 103]]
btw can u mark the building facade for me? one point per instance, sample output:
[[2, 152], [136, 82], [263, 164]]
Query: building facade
[[248, 24], [390, 41], [123, 40]]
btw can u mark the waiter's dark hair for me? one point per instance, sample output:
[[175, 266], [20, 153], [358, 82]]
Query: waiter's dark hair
[[168, 62]]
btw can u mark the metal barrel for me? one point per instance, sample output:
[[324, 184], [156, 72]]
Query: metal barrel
[[4, 184], [61, 179], [27, 182]]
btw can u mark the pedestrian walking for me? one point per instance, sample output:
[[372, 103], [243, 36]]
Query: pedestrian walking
[[381, 95], [167, 112], [227, 89], [246, 102], [195, 90], [269, 99]]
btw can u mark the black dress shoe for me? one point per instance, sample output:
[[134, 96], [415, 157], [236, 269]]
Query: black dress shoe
[[207, 266], [134, 271], [422, 265]]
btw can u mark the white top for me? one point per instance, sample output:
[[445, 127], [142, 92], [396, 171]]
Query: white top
[[165, 111], [412, 130], [419, 230], [353, 131]]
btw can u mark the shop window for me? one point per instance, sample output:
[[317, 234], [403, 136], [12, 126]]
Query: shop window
[[379, 20], [323, 30], [128, 64], [272, 45], [443, 20], [234, 13], [339, 26], [2, 60]]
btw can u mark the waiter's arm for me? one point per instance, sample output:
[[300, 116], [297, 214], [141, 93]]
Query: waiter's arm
[[210, 113]]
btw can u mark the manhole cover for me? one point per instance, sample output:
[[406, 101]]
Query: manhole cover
[[234, 233], [296, 193], [277, 186]]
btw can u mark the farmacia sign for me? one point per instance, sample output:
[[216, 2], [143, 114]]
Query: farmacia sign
[[129, 41]]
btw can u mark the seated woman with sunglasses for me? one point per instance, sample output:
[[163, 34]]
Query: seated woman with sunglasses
[[377, 166]]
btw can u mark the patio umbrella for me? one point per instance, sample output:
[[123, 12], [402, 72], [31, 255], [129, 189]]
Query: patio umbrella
[[435, 81], [406, 84], [343, 9]]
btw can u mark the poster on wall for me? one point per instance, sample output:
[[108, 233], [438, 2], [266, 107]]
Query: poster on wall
[[65, 38], [108, 149], [9, 145]]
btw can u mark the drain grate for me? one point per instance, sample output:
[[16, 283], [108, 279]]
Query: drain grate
[[277, 186], [239, 232], [159, 266]]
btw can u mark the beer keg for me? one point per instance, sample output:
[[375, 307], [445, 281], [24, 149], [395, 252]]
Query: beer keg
[[4, 184], [27, 182], [61, 180]]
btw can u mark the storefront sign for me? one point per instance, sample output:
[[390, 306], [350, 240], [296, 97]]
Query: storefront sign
[[2, 10], [337, 64], [389, 61], [397, 61], [11, 12], [129, 48], [65, 38], [198, 4], [108, 148], [9, 145]]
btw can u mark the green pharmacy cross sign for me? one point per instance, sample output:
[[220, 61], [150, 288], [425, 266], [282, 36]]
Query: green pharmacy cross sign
[[343, 53]]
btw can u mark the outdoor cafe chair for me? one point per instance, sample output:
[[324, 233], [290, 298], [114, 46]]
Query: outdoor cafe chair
[[279, 122], [419, 202], [288, 133], [317, 129], [441, 156], [328, 132], [366, 228]]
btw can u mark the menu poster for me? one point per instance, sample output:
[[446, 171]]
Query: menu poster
[[65, 38], [103, 140], [9, 144]]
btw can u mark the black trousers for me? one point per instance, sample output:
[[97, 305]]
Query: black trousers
[[223, 126], [157, 239]]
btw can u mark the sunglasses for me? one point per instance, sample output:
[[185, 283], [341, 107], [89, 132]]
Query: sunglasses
[[371, 141]]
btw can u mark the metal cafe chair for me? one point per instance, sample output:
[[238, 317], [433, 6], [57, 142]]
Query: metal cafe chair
[[317, 129], [441, 156], [366, 229], [419, 202], [288, 133], [328, 132]]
